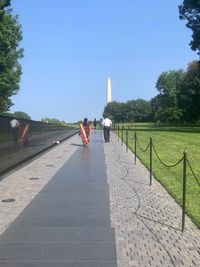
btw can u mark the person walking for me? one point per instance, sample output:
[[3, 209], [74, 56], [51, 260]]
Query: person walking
[[95, 123], [85, 132], [106, 128]]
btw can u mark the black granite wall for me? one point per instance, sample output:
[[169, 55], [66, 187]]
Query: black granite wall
[[28, 139]]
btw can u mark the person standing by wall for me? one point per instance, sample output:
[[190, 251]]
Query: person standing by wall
[[106, 128], [14, 124]]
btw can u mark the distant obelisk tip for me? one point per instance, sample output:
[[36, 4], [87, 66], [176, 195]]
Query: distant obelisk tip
[[108, 91]]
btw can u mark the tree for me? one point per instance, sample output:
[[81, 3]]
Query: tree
[[51, 120], [165, 103], [21, 115], [114, 110], [132, 111], [138, 110], [10, 53], [190, 10], [189, 98], [155, 103], [167, 86], [168, 114]]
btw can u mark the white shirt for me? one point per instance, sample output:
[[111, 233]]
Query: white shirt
[[106, 122], [14, 123]]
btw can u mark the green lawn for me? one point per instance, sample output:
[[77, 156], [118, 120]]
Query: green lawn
[[170, 146]]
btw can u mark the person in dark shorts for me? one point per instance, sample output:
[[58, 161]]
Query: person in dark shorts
[[106, 129], [95, 123]]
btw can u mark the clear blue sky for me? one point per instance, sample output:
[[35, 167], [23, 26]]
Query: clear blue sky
[[73, 46]]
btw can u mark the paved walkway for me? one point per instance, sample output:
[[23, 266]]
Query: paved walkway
[[147, 220], [69, 215]]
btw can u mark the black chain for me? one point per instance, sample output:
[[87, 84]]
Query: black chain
[[166, 165], [140, 146], [193, 172]]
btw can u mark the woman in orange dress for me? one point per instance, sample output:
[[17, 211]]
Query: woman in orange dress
[[23, 133], [85, 132]]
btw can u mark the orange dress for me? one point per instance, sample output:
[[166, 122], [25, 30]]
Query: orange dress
[[85, 133], [23, 132]]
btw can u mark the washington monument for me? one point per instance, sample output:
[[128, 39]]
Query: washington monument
[[108, 92]]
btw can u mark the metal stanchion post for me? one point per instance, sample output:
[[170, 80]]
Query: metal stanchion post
[[135, 146], [126, 140], [118, 132], [184, 188], [122, 135], [150, 161]]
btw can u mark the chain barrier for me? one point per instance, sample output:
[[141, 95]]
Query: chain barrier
[[143, 150], [184, 161], [193, 172], [166, 165]]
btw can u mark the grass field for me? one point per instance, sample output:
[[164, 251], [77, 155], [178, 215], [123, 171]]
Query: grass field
[[170, 146]]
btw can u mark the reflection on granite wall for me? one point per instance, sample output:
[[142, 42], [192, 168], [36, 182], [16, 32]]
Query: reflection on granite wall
[[21, 139]]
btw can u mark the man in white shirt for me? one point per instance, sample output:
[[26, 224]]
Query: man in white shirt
[[14, 124], [106, 129]]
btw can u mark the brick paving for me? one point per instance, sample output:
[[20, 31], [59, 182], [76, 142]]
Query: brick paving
[[147, 220]]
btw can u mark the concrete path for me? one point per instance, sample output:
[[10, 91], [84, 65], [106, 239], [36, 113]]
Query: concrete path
[[65, 214]]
